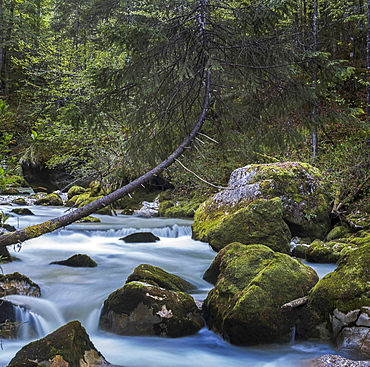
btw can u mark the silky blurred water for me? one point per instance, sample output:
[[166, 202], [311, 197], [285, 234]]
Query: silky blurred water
[[78, 293]]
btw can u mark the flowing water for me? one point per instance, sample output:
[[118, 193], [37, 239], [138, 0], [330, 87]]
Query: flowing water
[[78, 293]]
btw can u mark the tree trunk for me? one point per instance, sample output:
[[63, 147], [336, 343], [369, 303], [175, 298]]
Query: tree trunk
[[368, 59], [53, 224], [315, 107]]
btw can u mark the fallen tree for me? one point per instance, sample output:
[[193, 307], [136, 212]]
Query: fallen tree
[[51, 225]]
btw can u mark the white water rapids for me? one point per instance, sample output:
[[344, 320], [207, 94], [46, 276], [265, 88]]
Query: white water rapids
[[78, 293]]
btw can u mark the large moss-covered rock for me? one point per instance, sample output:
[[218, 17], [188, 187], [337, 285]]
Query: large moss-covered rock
[[251, 285], [156, 276], [68, 346], [260, 222], [300, 187], [141, 309], [17, 283], [342, 298]]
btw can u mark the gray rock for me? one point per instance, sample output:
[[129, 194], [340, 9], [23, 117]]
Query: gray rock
[[330, 360]]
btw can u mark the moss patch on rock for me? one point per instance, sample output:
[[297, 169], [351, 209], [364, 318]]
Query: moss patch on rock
[[260, 222], [156, 276], [50, 199], [75, 190]]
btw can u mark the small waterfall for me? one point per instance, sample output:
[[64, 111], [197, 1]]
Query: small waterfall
[[37, 316], [173, 231], [30, 324], [294, 331]]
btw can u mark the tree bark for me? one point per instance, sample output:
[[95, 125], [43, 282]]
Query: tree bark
[[53, 224]]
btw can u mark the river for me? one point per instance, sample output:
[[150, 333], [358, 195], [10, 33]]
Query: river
[[78, 293]]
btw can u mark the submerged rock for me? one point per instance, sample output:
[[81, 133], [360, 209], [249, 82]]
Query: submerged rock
[[22, 211], [140, 237], [156, 276], [143, 309], [77, 261], [17, 283], [305, 204], [68, 346], [251, 284]]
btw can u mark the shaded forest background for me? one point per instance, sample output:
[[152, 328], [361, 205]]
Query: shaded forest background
[[107, 89]]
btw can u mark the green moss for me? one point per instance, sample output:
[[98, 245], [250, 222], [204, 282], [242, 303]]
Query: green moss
[[19, 201], [50, 199], [75, 190], [89, 219], [259, 223], [338, 232], [205, 220], [157, 276], [179, 209]]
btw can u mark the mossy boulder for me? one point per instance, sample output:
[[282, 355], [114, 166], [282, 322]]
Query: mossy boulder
[[50, 200], [305, 204], [22, 211], [75, 190], [260, 222], [17, 283], [140, 237], [332, 251], [156, 276], [343, 291], [251, 284], [68, 346], [77, 261], [142, 309], [324, 252], [19, 201], [340, 231]]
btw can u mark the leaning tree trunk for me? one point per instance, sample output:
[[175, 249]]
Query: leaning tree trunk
[[53, 224]]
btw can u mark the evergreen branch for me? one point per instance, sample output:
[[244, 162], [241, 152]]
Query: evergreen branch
[[200, 178]]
